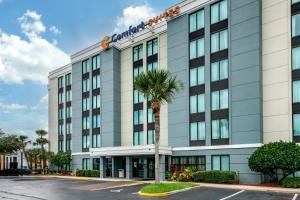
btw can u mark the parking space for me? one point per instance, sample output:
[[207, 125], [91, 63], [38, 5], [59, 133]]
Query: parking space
[[70, 189]]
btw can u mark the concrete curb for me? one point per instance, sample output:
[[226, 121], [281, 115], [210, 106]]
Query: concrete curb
[[163, 194]]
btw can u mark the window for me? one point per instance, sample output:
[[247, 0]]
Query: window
[[220, 129], [138, 97], [138, 138], [96, 62], [295, 1], [69, 145], [69, 112], [96, 141], [197, 76], [85, 163], [219, 70], [69, 128], [60, 113], [219, 41], [137, 71], [61, 129], [296, 124], [61, 82], [96, 163], [138, 117], [85, 85], [296, 91], [96, 121], [68, 95], [197, 20], [150, 115], [152, 66], [96, 82], [151, 137], [69, 79], [197, 103], [220, 162], [60, 145], [85, 104], [296, 25], [197, 48], [86, 122], [188, 161], [218, 12], [197, 131], [60, 97], [86, 141], [137, 53], [85, 66], [296, 58], [152, 47], [219, 100], [96, 101]]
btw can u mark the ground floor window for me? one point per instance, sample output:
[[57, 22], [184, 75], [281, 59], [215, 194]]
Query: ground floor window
[[179, 163], [96, 163], [296, 124], [220, 162], [85, 163]]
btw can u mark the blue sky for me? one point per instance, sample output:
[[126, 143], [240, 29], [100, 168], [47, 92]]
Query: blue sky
[[38, 36]]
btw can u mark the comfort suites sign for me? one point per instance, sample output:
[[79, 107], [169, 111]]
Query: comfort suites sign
[[107, 40]]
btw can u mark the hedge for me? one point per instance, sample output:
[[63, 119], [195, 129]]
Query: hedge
[[88, 173], [215, 177], [15, 172], [291, 182]]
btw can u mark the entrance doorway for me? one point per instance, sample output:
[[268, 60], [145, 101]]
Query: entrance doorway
[[151, 168], [138, 167]]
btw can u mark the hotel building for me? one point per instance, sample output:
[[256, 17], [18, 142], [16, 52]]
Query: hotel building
[[239, 61]]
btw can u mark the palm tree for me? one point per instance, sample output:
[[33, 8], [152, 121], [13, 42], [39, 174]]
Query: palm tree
[[159, 86], [24, 142], [42, 142]]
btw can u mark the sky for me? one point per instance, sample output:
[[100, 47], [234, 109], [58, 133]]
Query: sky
[[39, 36]]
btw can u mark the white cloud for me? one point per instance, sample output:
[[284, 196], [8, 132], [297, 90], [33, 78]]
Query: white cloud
[[13, 106], [30, 59], [132, 16], [54, 30]]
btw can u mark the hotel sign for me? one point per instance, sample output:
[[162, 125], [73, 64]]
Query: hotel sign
[[107, 40]]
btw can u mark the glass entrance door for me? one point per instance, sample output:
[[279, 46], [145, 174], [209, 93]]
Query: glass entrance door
[[151, 167], [138, 167]]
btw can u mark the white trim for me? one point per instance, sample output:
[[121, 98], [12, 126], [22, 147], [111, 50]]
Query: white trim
[[231, 146], [80, 153]]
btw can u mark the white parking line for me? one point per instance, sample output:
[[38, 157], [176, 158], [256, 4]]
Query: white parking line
[[233, 195], [295, 197]]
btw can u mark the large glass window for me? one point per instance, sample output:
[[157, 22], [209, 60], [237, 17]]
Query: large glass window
[[138, 117], [150, 115], [137, 53], [152, 47], [68, 79], [96, 141], [61, 98], [68, 95], [219, 100], [60, 113], [86, 141], [96, 164], [197, 131], [85, 85], [152, 66], [86, 122], [197, 20], [61, 82], [138, 138], [219, 41], [96, 121], [182, 162], [138, 97], [69, 128], [85, 163], [137, 71], [85, 66], [296, 91], [69, 111], [219, 70], [220, 129], [218, 11], [60, 145], [96, 62], [296, 124], [96, 101], [295, 1], [197, 103], [61, 129], [69, 145], [296, 58], [151, 137], [220, 162], [296, 25], [85, 104], [197, 48], [96, 82], [197, 76]]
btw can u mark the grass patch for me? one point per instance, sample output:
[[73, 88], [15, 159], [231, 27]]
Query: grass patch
[[166, 187]]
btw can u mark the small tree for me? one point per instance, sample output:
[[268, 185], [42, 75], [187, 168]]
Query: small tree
[[24, 141], [60, 160], [9, 144], [277, 160], [42, 142]]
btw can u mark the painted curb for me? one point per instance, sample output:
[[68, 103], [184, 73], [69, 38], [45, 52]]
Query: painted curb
[[163, 194]]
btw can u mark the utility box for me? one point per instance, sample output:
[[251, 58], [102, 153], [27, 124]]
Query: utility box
[[121, 173]]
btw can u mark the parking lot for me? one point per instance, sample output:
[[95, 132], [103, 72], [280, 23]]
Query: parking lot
[[27, 188]]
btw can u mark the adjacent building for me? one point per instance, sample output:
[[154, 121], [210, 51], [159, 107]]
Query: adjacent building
[[239, 61]]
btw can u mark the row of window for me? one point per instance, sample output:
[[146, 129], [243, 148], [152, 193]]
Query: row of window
[[152, 49], [61, 97], [68, 145], [86, 65], [86, 163], [138, 137], [61, 128], [68, 80], [68, 113], [86, 84], [96, 141], [95, 103], [96, 121], [138, 116]]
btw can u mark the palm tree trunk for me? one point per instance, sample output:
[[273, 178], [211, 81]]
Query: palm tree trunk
[[157, 136], [26, 158]]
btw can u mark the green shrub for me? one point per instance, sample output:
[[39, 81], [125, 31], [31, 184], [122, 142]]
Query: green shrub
[[187, 174], [88, 173], [215, 177], [290, 182]]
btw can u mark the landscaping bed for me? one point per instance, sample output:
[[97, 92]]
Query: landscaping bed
[[165, 188]]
